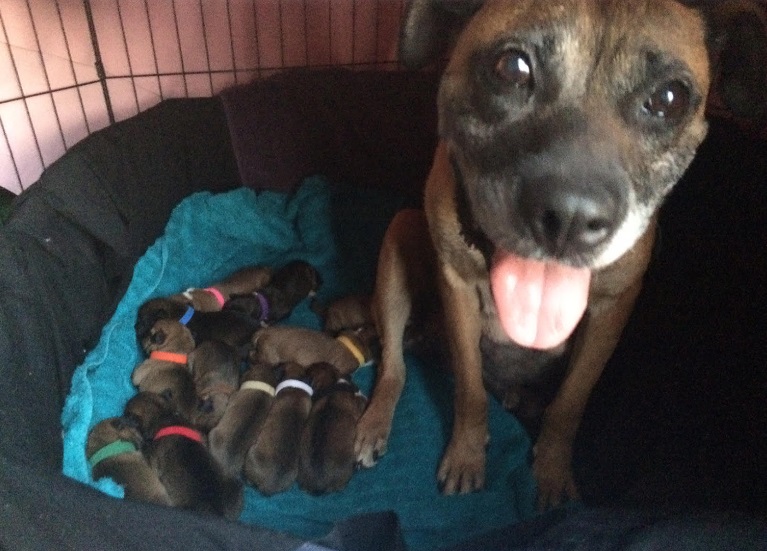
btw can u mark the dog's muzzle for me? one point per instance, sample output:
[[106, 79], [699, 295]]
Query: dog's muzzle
[[571, 215]]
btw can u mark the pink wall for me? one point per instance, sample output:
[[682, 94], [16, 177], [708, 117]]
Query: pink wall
[[51, 96]]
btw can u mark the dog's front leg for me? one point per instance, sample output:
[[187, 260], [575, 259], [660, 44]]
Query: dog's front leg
[[462, 469], [404, 255], [613, 294]]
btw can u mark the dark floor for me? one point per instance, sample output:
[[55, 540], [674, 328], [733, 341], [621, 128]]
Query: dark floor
[[679, 418]]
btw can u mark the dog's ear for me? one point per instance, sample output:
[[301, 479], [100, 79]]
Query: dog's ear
[[739, 32], [429, 28]]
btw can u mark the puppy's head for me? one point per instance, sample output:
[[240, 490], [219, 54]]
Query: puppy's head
[[323, 375], [111, 430], [169, 335], [146, 410], [567, 122], [290, 370], [157, 309], [262, 371]]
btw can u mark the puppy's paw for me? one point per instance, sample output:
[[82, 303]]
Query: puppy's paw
[[552, 471], [372, 439], [462, 470]]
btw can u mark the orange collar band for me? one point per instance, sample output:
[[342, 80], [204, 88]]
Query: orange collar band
[[172, 357]]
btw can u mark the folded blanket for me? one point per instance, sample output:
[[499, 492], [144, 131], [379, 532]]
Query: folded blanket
[[209, 236]]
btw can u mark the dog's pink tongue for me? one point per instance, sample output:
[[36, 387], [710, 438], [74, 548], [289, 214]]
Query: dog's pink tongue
[[539, 303]]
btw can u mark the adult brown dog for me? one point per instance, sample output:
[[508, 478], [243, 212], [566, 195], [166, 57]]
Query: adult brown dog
[[563, 125]]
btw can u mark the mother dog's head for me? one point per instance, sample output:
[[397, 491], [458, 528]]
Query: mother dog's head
[[568, 121]]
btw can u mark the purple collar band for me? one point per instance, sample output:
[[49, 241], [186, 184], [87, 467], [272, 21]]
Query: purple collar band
[[264, 306]]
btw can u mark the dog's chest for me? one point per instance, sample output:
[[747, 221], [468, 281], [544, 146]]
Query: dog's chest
[[503, 360]]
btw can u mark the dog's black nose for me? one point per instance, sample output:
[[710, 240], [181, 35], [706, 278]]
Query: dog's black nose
[[566, 218]]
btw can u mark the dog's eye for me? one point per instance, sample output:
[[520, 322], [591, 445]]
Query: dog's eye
[[513, 67], [669, 102], [158, 337]]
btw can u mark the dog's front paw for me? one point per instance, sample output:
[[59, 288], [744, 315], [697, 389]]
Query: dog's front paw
[[552, 471], [372, 438], [463, 468]]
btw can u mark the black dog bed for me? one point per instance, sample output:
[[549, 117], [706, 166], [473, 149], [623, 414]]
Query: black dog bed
[[675, 425]]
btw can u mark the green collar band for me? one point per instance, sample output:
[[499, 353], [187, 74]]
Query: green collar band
[[110, 450]]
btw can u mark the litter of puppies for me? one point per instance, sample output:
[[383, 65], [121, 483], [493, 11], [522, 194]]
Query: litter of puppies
[[226, 399]]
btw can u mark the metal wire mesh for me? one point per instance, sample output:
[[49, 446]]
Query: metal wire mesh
[[71, 67]]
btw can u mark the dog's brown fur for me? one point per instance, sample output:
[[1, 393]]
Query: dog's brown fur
[[185, 467], [608, 57], [169, 379], [348, 312], [129, 469], [245, 414], [271, 464], [291, 284], [227, 325], [215, 368], [327, 459], [283, 343], [245, 280]]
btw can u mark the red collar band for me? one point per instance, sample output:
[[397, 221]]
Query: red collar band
[[178, 430]]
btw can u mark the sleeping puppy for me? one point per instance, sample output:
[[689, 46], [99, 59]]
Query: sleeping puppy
[[215, 368], [271, 464], [213, 297], [289, 285], [327, 459], [245, 414], [113, 450], [228, 325], [165, 372], [563, 126], [282, 343], [178, 455]]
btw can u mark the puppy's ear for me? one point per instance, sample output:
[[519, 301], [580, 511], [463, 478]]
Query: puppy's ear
[[429, 28], [739, 30]]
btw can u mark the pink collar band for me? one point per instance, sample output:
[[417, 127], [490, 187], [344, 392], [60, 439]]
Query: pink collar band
[[218, 294]]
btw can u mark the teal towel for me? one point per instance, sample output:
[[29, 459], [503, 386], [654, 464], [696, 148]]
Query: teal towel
[[209, 236]]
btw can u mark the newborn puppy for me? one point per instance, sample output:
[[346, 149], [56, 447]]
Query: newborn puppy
[[112, 450], [348, 351], [177, 454], [349, 312], [215, 369], [245, 414], [155, 309], [327, 459], [213, 297], [271, 464], [165, 371], [228, 325], [289, 285]]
